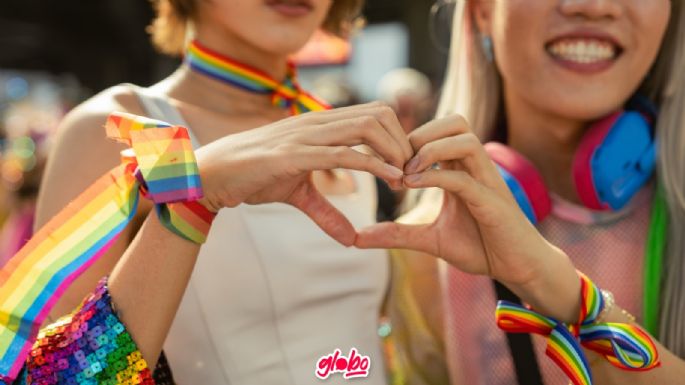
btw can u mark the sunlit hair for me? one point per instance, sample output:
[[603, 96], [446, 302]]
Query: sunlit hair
[[473, 88], [169, 27]]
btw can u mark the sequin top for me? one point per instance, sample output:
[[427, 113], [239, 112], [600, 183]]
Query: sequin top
[[91, 346]]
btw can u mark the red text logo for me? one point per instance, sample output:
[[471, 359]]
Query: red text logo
[[353, 366]]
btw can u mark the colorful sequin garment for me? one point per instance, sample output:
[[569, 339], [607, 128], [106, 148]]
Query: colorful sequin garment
[[89, 347]]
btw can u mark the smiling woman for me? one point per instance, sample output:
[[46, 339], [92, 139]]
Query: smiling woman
[[554, 81]]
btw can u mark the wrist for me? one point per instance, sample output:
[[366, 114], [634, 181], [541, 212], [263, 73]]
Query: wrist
[[209, 205], [554, 288]]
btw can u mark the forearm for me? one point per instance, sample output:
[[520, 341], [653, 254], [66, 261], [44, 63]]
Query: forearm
[[555, 289], [148, 283], [556, 293]]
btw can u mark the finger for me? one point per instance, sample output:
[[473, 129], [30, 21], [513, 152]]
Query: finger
[[361, 130], [465, 148], [458, 182], [437, 129], [392, 235], [327, 158], [388, 118], [328, 218], [327, 116]]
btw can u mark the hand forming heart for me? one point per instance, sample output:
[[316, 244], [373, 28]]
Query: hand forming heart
[[480, 228], [274, 163]]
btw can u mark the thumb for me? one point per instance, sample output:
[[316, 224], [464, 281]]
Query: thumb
[[391, 235], [310, 201]]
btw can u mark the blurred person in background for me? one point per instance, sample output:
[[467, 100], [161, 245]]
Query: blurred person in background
[[556, 83], [287, 294], [23, 163], [32, 103], [410, 94]]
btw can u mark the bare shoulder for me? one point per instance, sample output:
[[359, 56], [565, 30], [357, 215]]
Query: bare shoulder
[[87, 119], [80, 151]]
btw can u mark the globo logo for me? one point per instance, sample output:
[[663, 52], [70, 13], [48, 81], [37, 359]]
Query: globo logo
[[354, 365]]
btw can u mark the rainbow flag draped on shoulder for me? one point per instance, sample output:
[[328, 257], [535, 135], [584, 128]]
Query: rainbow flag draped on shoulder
[[159, 163]]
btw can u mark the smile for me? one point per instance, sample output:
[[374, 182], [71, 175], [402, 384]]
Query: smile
[[584, 53]]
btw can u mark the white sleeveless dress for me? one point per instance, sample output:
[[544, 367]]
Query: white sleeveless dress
[[271, 293]]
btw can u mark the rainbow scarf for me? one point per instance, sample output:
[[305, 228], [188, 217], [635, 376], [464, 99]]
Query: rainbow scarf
[[623, 345], [286, 94], [160, 163]]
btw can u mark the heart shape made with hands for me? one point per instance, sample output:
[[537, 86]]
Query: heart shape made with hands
[[479, 227]]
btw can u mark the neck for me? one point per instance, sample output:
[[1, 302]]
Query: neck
[[231, 45], [198, 89], [548, 141]]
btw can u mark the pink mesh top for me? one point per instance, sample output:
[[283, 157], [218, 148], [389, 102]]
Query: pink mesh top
[[608, 247]]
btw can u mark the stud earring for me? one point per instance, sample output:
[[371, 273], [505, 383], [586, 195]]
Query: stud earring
[[488, 51]]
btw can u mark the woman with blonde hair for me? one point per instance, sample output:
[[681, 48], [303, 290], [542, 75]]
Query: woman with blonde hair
[[588, 97], [270, 294]]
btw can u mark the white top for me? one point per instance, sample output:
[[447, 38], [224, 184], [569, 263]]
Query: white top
[[271, 293]]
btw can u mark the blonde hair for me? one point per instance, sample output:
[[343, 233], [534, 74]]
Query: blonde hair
[[170, 25], [473, 89]]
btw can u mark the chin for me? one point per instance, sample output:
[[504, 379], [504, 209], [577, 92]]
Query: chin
[[585, 109], [285, 41]]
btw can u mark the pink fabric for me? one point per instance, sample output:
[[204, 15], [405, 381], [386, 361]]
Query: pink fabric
[[607, 246]]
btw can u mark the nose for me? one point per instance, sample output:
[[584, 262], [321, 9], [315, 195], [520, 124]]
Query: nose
[[592, 9]]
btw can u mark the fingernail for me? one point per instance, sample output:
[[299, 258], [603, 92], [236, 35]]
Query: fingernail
[[414, 178], [395, 173], [413, 165]]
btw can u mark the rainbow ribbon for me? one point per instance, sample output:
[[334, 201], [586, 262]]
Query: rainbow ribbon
[[161, 164], [624, 346], [286, 94]]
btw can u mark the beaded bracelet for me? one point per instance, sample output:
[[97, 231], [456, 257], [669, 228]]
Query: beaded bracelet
[[623, 345]]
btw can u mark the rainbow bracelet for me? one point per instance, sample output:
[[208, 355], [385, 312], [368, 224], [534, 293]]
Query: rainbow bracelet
[[625, 346]]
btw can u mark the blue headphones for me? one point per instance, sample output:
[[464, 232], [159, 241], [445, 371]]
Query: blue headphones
[[615, 158]]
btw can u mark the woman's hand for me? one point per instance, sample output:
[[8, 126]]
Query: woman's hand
[[274, 163], [480, 229]]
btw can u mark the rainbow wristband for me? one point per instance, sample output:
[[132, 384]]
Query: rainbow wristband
[[623, 345]]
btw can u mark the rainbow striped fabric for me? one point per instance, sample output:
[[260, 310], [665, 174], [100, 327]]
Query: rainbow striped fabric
[[623, 345], [160, 163], [286, 94]]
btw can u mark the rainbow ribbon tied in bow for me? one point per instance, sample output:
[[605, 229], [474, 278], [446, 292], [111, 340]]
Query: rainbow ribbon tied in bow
[[623, 345], [286, 94], [160, 163]]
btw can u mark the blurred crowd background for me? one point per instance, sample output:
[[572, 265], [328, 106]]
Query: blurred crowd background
[[55, 54]]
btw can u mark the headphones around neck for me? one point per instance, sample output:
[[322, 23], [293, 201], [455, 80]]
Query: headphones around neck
[[615, 158]]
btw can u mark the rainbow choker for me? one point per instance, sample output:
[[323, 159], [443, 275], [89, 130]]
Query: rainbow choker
[[286, 94]]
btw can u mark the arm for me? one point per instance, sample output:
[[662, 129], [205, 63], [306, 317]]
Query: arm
[[270, 164], [481, 230], [80, 154], [548, 292]]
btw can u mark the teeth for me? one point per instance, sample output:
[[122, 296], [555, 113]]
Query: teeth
[[583, 50]]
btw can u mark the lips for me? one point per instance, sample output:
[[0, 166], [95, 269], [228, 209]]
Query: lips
[[584, 52], [291, 8]]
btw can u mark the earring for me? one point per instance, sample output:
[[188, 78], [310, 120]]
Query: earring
[[488, 51]]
